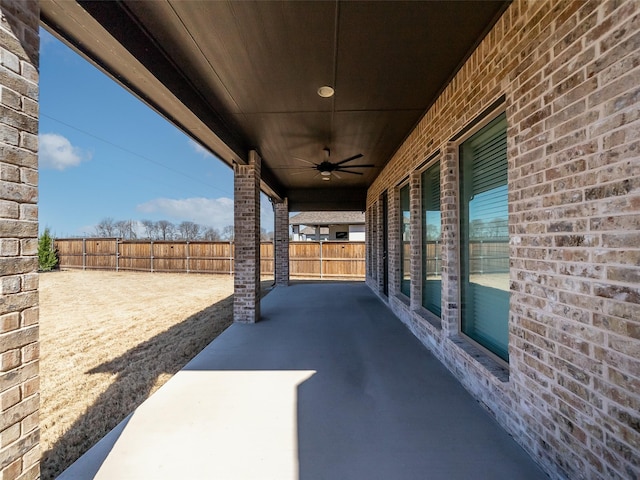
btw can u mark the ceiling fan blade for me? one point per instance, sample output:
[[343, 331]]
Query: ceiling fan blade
[[349, 171], [349, 159], [368, 165], [303, 160]]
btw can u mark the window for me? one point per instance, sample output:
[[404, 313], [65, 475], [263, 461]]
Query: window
[[431, 240], [484, 248], [405, 242]]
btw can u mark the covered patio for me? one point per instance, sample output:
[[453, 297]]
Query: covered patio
[[468, 132], [328, 385]]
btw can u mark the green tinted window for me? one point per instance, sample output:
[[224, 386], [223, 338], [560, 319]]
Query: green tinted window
[[431, 240], [485, 238], [405, 242]]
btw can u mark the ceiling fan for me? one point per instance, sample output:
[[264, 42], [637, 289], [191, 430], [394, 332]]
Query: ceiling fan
[[326, 168]]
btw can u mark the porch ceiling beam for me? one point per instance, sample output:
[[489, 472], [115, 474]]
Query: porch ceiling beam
[[340, 199]]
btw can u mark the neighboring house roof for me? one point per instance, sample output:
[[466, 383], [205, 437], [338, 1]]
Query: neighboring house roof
[[327, 218]]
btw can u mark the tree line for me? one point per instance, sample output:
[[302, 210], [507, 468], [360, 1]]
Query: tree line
[[166, 230]]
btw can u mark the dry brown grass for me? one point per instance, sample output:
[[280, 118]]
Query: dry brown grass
[[109, 340]]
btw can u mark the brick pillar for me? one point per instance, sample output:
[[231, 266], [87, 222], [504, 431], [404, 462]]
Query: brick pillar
[[19, 347], [246, 302], [415, 203], [394, 239], [371, 240], [281, 243], [379, 243], [450, 237]]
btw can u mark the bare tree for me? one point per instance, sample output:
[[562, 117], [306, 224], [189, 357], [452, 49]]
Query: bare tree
[[125, 229], [211, 235], [433, 232], [189, 230], [228, 233], [498, 228], [150, 228], [166, 229], [106, 228], [477, 229], [265, 236]]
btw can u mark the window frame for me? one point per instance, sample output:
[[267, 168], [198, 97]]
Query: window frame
[[406, 183], [477, 124], [431, 160]]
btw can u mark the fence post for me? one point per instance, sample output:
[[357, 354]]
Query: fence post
[[231, 258], [117, 255], [84, 253], [321, 267], [151, 254], [187, 256]]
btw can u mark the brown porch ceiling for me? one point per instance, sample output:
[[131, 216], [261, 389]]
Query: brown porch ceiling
[[243, 75]]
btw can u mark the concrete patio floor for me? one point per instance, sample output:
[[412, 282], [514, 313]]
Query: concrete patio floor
[[328, 386]]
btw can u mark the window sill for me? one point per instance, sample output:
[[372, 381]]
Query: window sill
[[489, 363], [429, 317], [403, 298]]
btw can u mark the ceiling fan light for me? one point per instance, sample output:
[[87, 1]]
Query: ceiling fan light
[[326, 179], [326, 91], [325, 174]]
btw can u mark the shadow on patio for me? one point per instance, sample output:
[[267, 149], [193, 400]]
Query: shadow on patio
[[329, 385]]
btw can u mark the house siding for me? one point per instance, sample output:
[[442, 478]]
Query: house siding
[[569, 73]]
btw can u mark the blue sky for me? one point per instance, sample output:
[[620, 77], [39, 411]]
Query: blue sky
[[103, 153]]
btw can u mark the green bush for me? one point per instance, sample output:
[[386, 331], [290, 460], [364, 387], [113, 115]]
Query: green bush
[[47, 256]]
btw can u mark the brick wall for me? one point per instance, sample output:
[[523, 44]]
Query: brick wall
[[19, 348], [246, 214], [570, 76]]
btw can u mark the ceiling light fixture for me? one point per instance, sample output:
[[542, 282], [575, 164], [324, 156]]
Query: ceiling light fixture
[[325, 174], [326, 179], [326, 91]]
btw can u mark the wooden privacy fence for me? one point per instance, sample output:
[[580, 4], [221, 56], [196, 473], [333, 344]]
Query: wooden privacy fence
[[306, 259]]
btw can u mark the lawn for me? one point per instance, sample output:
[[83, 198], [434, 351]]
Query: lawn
[[109, 340]]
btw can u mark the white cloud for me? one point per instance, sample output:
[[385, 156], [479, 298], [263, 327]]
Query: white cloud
[[211, 212], [199, 148], [56, 151]]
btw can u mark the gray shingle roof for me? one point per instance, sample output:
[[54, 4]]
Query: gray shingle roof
[[327, 218]]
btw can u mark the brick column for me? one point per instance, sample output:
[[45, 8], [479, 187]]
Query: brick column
[[246, 302], [281, 243], [19, 347], [394, 241], [372, 247], [415, 203], [379, 243], [450, 238]]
